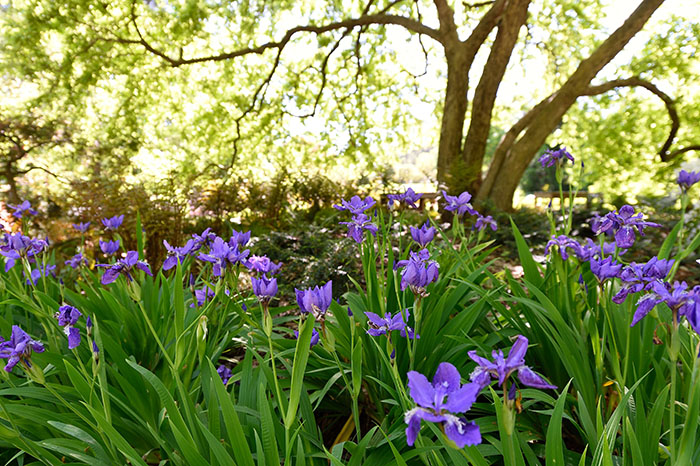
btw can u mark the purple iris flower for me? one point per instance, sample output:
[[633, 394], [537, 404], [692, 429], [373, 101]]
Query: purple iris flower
[[18, 246], [623, 224], [638, 277], [434, 407], [239, 238], [360, 222], [203, 295], [384, 325], [25, 207], [82, 227], [606, 268], [222, 255], [483, 222], [109, 247], [356, 205], [67, 317], [410, 197], [691, 309], [19, 348], [315, 300], [206, 238], [687, 179], [264, 288], [555, 157], [502, 367], [39, 272], [419, 271], [315, 336], [178, 255], [225, 373], [591, 250], [562, 242], [124, 266], [76, 261], [675, 296], [459, 204], [262, 264], [113, 223], [423, 235]]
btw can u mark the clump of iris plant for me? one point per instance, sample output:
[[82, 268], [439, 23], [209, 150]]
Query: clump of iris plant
[[423, 235], [687, 179], [315, 300], [67, 317], [554, 157], [623, 223], [441, 401], [459, 204], [113, 223], [410, 197], [124, 267], [22, 209], [18, 349]]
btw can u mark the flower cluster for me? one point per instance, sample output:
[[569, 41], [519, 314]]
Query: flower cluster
[[124, 266], [15, 246], [623, 223], [67, 317], [554, 157], [687, 179], [385, 325], [410, 197], [82, 227], [113, 223], [419, 271], [109, 247], [459, 204], [423, 235], [637, 277], [22, 209], [502, 367], [677, 297], [315, 300], [438, 401], [222, 254], [175, 255], [19, 348]]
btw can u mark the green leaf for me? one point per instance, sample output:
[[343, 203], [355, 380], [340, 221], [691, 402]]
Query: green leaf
[[530, 269], [268, 428], [554, 448], [357, 368], [301, 356]]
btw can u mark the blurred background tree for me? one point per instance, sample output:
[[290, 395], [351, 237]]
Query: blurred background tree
[[227, 103]]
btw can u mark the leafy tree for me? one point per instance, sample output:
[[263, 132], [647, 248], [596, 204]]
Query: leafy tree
[[242, 71]]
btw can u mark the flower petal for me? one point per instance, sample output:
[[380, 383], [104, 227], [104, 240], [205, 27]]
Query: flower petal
[[447, 376], [461, 400], [529, 378], [461, 432], [420, 389]]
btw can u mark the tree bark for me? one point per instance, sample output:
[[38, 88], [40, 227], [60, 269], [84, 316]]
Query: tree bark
[[485, 95], [519, 152]]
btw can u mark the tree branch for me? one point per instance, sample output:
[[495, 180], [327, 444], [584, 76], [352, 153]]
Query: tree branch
[[380, 18], [636, 81]]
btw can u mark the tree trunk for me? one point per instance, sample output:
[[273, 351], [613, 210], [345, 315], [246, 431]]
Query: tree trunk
[[485, 95], [11, 180], [516, 154], [452, 125]]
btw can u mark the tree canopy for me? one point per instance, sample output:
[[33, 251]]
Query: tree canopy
[[201, 90]]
